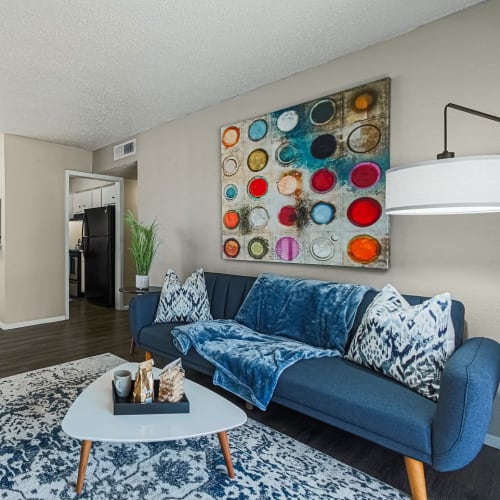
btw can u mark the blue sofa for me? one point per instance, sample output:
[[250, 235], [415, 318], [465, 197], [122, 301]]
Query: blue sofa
[[446, 435]]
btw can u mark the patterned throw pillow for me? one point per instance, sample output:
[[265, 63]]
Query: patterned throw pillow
[[408, 343], [186, 302]]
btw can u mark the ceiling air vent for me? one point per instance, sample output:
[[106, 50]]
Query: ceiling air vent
[[123, 150]]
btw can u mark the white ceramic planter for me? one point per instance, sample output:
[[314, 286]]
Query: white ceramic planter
[[141, 281]]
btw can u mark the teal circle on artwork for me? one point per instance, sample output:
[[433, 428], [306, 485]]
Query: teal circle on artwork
[[257, 130], [230, 192], [286, 153]]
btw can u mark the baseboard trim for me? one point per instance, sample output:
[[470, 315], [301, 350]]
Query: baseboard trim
[[493, 441], [22, 324]]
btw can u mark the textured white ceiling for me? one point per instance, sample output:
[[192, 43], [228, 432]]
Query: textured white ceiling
[[89, 73]]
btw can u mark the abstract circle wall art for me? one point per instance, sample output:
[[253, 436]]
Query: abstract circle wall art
[[306, 184]]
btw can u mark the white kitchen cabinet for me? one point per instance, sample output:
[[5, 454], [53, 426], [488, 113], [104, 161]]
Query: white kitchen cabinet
[[77, 203], [96, 198], [109, 194], [86, 199]]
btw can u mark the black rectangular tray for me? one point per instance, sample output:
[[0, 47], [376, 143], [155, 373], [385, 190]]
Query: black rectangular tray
[[125, 406]]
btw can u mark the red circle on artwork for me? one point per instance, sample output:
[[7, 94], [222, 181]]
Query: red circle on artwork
[[365, 175], [287, 215], [231, 248], [257, 187], [364, 212], [323, 180]]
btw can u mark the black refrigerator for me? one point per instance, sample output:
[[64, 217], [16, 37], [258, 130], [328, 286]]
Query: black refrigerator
[[98, 239]]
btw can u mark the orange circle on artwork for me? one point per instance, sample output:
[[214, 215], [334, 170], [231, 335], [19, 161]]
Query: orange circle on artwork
[[231, 219], [231, 136], [231, 248], [364, 101], [364, 249]]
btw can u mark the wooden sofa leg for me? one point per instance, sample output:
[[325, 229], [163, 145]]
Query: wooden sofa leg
[[249, 406], [148, 355], [416, 477]]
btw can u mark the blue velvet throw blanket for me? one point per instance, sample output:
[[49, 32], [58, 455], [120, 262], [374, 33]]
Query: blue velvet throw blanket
[[319, 313], [282, 321], [247, 363]]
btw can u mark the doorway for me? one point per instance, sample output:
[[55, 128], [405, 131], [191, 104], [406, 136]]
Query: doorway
[[116, 185]]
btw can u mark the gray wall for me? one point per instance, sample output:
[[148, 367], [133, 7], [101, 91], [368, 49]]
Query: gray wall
[[33, 257], [453, 59]]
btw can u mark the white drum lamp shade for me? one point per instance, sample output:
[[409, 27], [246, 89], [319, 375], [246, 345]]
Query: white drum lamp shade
[[463, 185]]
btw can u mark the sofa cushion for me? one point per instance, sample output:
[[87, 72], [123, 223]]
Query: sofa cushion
[[407, 343], [183, 302], [226, 293], [359, 400], [318, 313]]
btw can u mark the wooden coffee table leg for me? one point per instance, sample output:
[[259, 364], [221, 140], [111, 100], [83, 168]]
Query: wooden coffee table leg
[[224, 444], [82, 468]]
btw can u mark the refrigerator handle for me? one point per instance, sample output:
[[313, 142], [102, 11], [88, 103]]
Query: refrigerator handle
[[85, 235]]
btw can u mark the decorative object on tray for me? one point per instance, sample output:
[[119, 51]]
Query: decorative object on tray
[[122, 383], [143, 246], [144, 383], [149, 396], [171, 389]]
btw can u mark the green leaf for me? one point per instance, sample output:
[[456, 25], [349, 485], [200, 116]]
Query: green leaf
[[144, 242]]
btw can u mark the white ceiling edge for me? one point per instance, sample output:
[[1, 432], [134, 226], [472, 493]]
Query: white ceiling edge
[[88, 74]]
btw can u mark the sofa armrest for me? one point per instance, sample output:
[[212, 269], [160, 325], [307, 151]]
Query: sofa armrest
[[141, 312], [468, 386]]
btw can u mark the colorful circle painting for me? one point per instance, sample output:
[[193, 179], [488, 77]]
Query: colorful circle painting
[[231, 248], [257, 187], [287, 248], [288, 120], [257, 130], [305, 183], [323, 180], [323, 146], [257, 160], [364, 249], [230, 166], [258, 247], [365, 175], [286, 153], [363, 138], [288, 215], [364, 212], [322, 212], [322, 248], [231, 192], [231, 219], [364, 101], [231, 136], [322, 112]]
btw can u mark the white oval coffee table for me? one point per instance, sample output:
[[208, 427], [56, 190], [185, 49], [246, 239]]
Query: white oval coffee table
[[90, 418]]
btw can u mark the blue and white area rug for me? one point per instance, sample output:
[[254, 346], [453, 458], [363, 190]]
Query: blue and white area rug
[[39, 461]]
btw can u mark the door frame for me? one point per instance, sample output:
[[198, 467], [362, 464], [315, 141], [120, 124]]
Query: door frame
[[119, 208]]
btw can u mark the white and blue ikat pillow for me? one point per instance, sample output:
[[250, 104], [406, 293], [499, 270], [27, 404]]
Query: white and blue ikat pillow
[[408, 343], [186, 302]]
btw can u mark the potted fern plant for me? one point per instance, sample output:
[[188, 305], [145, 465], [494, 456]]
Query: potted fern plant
[[143, 246]]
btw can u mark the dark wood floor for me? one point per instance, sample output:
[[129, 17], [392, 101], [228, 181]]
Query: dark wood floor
[[94, 330]]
